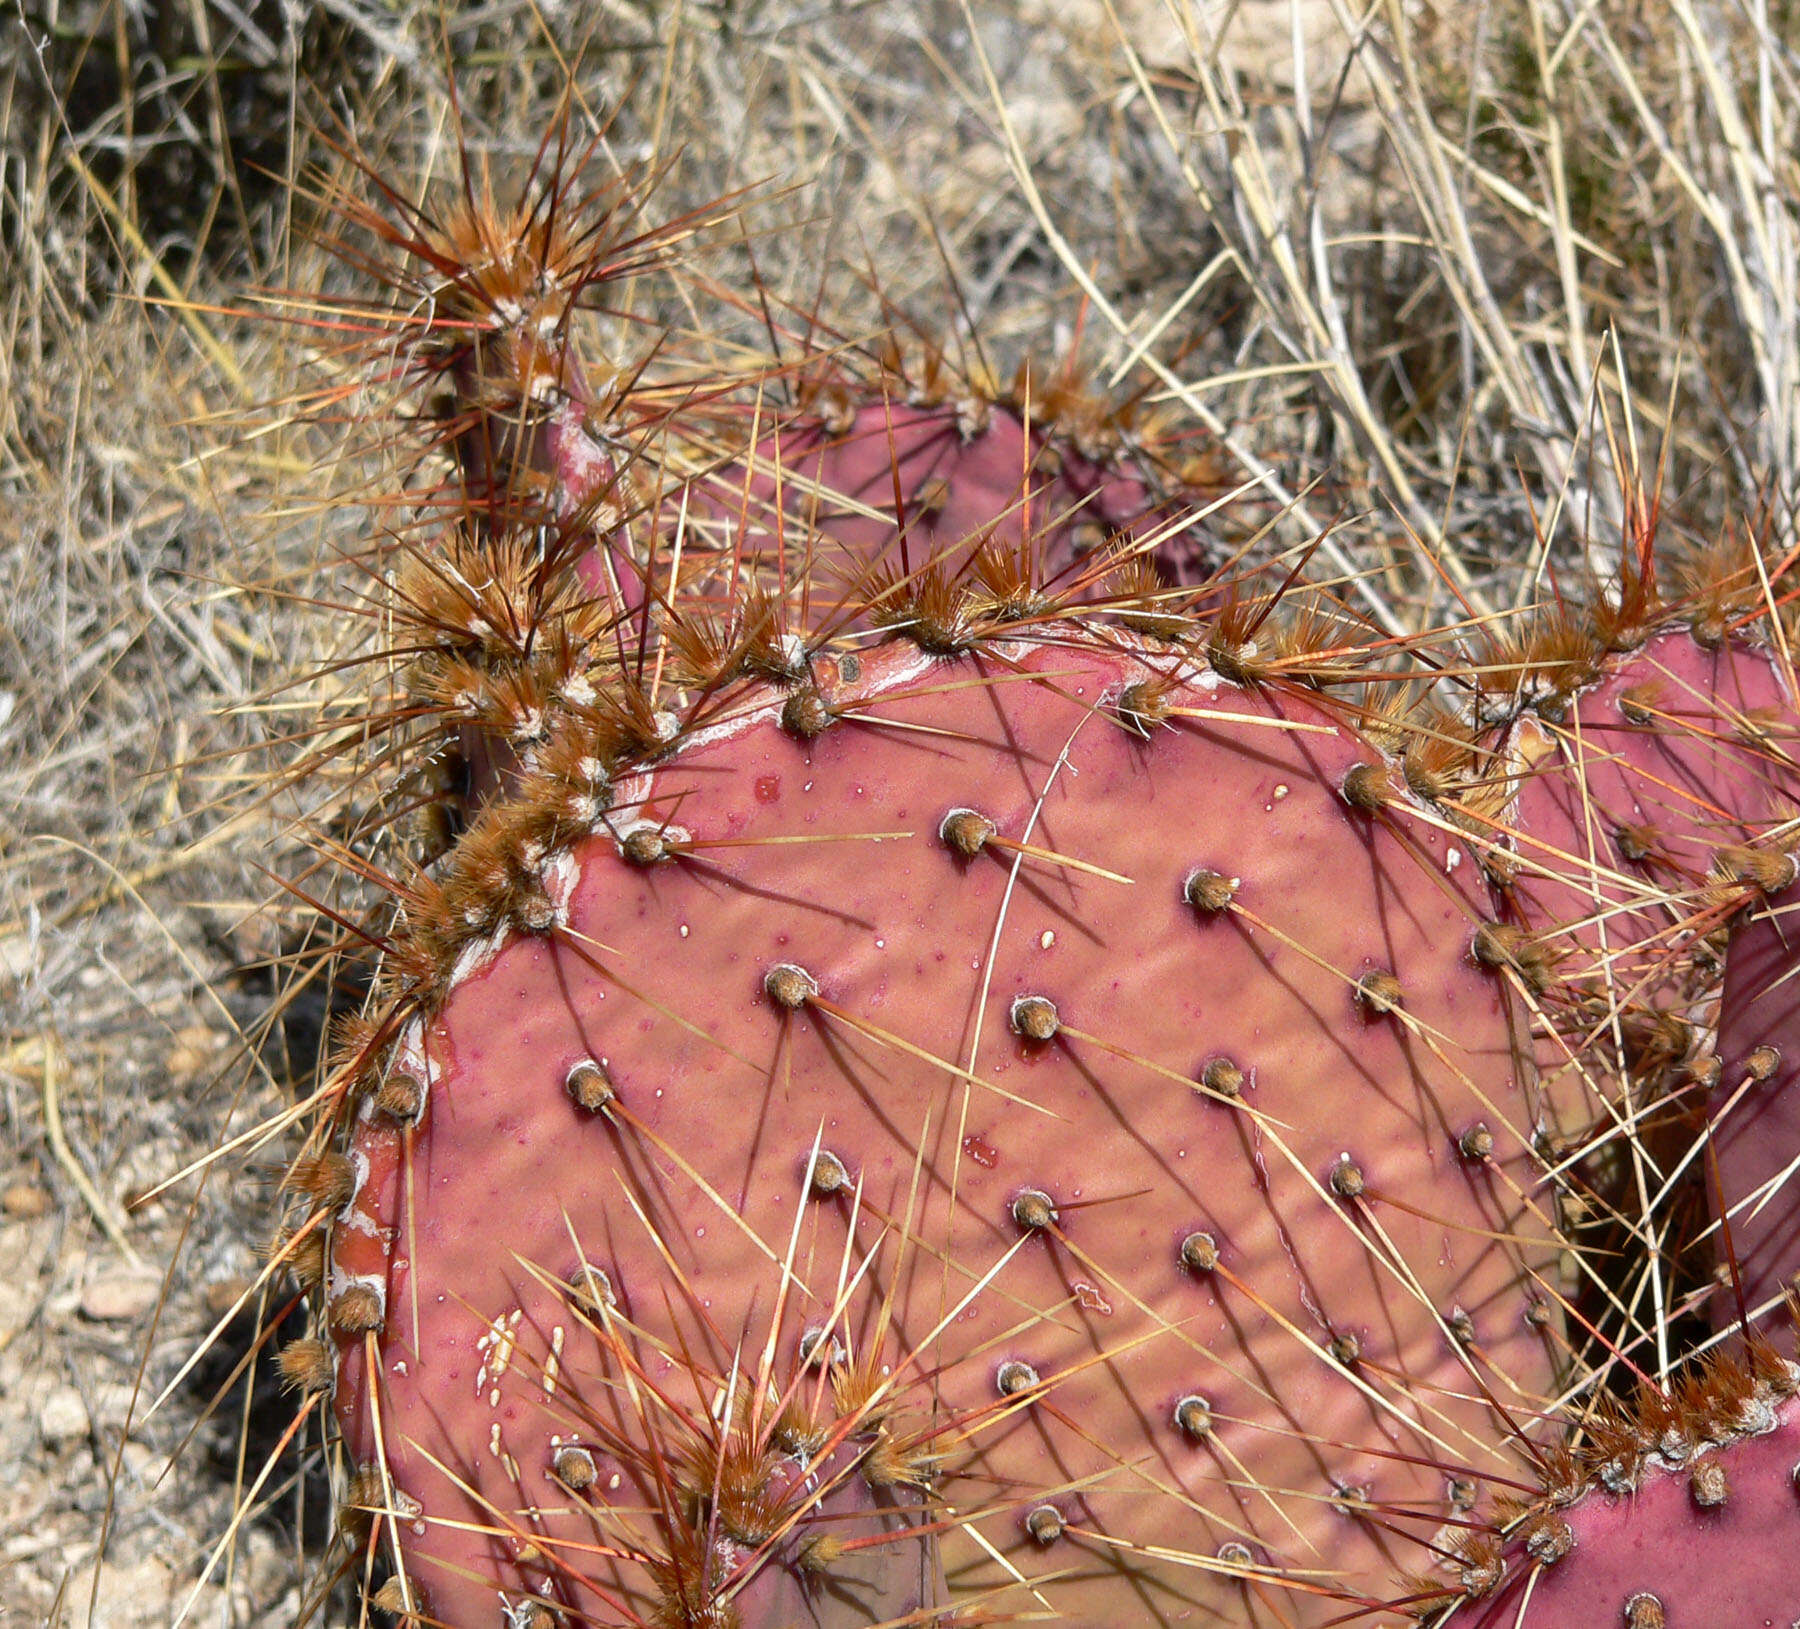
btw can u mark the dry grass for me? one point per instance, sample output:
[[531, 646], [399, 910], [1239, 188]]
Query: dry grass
[[1432, 272]]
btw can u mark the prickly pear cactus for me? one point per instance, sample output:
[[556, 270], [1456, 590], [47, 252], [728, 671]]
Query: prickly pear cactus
[[921, 1075], [1653, 751], [915, 466], [1756, 1114]]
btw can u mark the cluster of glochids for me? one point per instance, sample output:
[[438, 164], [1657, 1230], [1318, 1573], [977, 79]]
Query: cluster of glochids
[[949, 1055]]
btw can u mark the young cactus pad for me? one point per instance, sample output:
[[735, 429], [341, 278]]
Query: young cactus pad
[[908, 472]]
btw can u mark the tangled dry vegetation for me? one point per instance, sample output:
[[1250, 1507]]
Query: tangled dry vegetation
[[1469, 274]]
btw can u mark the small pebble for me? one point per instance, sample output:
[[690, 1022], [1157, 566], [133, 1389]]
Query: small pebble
[[17, 958], [196, 1050], [223, 1295], [63, 1419], [121, 1297], [24, 1201]]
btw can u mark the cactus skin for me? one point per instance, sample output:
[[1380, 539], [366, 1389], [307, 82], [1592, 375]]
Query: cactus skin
[[1756, 1130], [1381, 1230], [1687, 1514], [709, 1515], [1673, 753]]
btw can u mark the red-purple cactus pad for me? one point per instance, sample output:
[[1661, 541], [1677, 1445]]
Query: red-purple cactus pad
[[898, 485], [1173, 1242], [1038, 1121], [1670, 758], [1687, 1513], [902, 464], [1653, 807]]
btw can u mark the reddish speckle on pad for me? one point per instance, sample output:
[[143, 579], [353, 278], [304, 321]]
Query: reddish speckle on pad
[[981, 1151]]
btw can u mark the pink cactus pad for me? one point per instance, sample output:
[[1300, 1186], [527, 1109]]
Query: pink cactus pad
[[1676, 753], [1756, 1129], [1173, 1246], [1647, 816], [923, 1080], [901, 487]]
